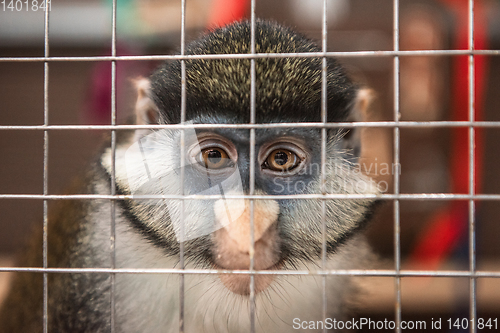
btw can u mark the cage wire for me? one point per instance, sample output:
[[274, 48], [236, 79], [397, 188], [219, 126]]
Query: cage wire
[[397, 273]]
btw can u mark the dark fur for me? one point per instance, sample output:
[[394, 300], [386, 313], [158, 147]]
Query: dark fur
[[75, 303], [286, 88]]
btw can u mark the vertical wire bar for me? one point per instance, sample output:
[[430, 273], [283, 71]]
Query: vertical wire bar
[[472, 221], [182, 164], [323, 158], [45, 309], [397, 222], [113, 180], [252, 166]]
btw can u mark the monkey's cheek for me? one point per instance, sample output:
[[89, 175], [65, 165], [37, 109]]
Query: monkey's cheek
[[240, 283]]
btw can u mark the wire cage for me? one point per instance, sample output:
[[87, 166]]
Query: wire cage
[[390, 128]]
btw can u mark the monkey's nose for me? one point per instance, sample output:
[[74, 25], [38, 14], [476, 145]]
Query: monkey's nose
[[234, 215]]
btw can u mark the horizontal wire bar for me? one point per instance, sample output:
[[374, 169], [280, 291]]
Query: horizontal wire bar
[[258, 55], [407, 196], [371, 273], [386, 124]]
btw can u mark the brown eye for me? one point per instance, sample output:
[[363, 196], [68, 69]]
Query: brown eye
[[282, 160], [214, 158]]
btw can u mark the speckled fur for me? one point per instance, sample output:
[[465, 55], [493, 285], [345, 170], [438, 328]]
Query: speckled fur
[[286, 88]]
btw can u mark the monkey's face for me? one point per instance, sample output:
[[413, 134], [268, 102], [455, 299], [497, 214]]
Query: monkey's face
[[280, 163], [218, 231], [286, 231]]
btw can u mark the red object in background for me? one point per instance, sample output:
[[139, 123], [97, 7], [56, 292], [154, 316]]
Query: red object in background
[[227, 11], [97, 110], [97, 107], [448, 228]]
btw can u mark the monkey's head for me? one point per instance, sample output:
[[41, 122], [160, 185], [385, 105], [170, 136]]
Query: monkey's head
[[215, 160]]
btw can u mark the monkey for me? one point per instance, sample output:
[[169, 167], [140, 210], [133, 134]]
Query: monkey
[[223, 228]]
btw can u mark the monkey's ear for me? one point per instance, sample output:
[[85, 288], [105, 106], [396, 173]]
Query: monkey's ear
[[362, 103], [146, 112], [359, 112]]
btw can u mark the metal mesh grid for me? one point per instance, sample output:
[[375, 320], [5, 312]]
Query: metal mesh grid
[[397, 273]]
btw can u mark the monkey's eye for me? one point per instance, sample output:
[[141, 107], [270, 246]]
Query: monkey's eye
[[214, 158], [282, 160]]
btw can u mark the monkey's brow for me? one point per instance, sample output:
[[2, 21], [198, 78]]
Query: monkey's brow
[[242, 136], [235, 135], [303, 134]]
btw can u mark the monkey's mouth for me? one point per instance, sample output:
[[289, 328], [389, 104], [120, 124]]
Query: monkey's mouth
[[229, 256], [239, 283]]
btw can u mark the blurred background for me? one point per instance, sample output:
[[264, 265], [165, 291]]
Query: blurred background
[[434, 233]]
